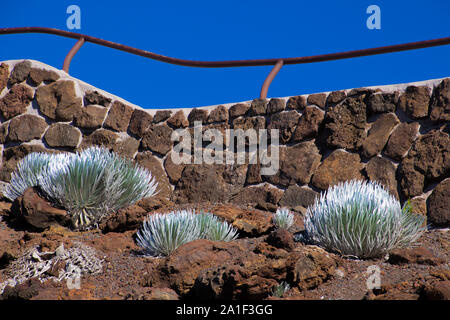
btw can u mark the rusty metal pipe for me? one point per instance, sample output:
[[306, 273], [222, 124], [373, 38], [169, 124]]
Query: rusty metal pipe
[[71, 53], [233, 63], [269, 79]]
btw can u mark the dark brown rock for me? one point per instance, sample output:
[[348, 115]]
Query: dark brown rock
[[309, 124], [437, 291], [378, 135], [126, 147], [360, 91], [335, 97], [6, 258], [62, 135], [296, 103], [214, 183], [47, 100], [249, 222], [4, 132], [150, 162], [295, 196], [281, 238], [119, 117], [383, 171], [339, 166], [419, 255], [411, 181], [258, 195], [309, 267], [173, 170], [90, 117], [37, 76], [297, 164], [318, 99], [415, 101], [4, 75], [401, 139], [130, 218], [262, 274], [158, 138], [139, 122], [254, 174], [185, 265], [245, 123], [219, 114], [94, 97], [382, 102], [438, 205], [178, 120], [58, 100], [285, 122], [161, 115], [276, 105], [431, 154], [440, 102], [23, 291], [345, 124], [20, 72], [232, 282], [16, 101], [258, 107], [238, 110], [26, 128], [154, 203], [100, 137], [38, 212], [197, 115]]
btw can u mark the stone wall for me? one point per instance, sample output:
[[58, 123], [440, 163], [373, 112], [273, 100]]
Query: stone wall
[[397, 135]]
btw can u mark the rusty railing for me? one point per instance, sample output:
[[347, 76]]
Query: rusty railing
[[276, 62]]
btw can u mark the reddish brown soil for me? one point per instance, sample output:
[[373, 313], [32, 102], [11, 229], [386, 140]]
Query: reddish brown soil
[[124, 268]]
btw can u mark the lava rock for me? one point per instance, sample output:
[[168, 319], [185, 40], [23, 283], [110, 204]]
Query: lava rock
[[438, 205], [90, 117], [38, 212], [118, 117], [26, 128], [16, 101], [415, 101], [339, 166]]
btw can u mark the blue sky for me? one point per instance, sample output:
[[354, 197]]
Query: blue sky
[[229, 30]]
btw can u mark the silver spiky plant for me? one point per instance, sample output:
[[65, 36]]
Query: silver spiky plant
[[212, 228], [89, 184], [162, 234], [361, 219], [27, 174], [283, 218]]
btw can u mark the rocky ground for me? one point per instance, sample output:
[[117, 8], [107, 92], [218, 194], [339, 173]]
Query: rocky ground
[[247, 268]]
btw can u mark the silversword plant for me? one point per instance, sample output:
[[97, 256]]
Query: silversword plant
[[162, 234], [89, 185], [27, 174], [361, 219], [283, 218]]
